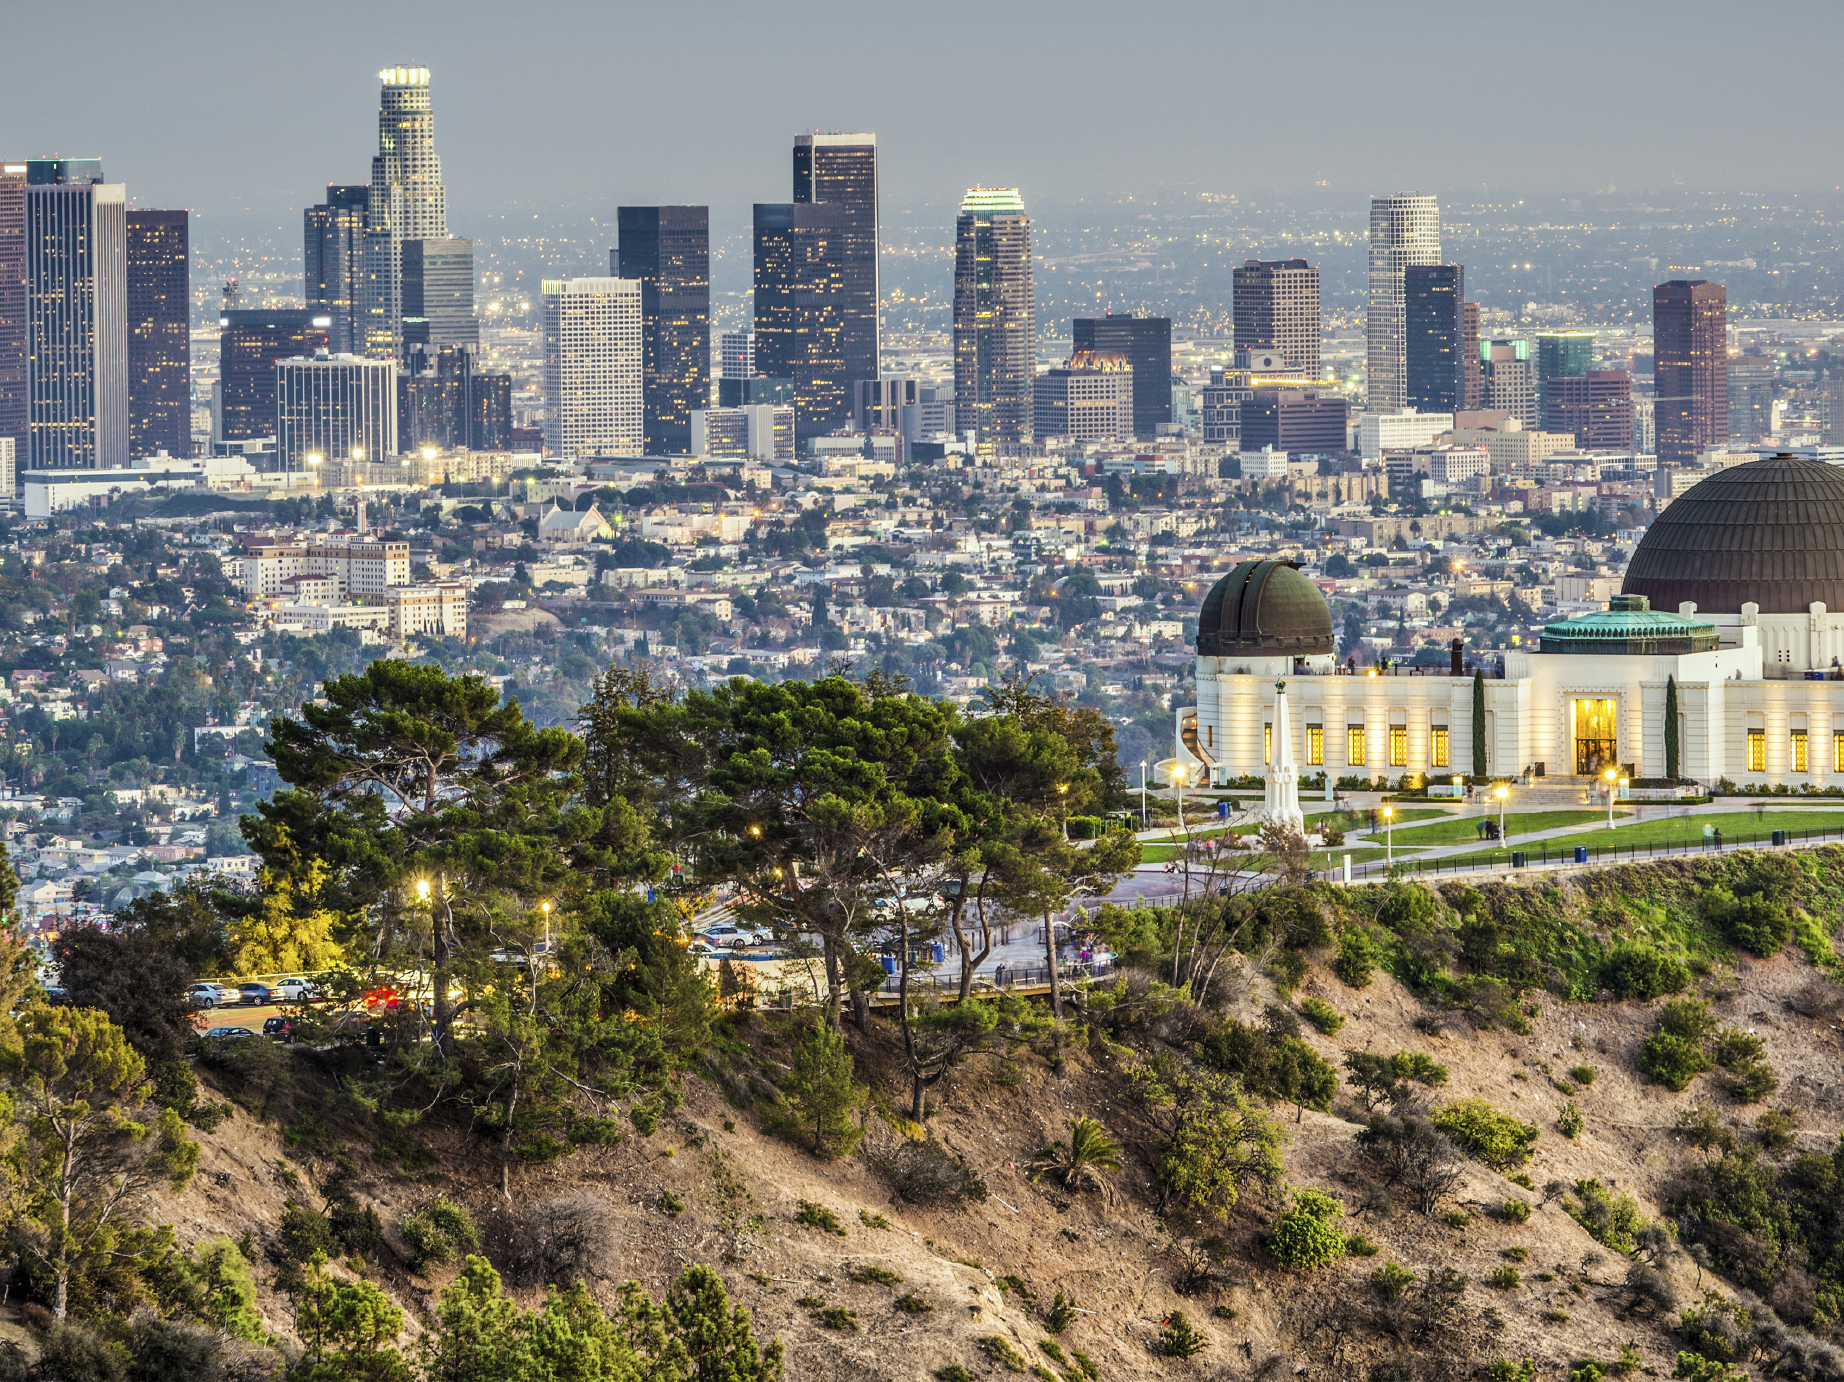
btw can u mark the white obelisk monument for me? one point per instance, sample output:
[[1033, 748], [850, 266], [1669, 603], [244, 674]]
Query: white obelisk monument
[[1283, 795]]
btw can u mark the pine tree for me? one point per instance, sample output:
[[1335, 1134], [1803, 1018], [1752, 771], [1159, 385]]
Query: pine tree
[[821, 1090], [1479, 754], [1671, 728]]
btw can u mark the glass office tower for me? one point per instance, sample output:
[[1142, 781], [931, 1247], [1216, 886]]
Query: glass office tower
[[668, 248]]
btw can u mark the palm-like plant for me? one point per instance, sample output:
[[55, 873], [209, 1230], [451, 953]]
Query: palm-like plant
[[1082, 1160]]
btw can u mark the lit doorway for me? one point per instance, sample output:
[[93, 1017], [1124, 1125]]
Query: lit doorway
[[1596, 742]]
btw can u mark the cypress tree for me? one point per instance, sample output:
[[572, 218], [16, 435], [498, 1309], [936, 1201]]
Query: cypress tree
[[1671, 728], [1479, 763], [821, 1092]]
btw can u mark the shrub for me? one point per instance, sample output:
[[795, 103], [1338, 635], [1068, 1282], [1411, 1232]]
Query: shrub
[[1672, 1061], [838, 1317], [671, 1204], [953, 1372], [912, 1304], [1587, 1371], [1721, 1330], [304, 1233], [1609, 1221], [1359, 1246], [1744, 1056], [925, 1172], [870, 1220], [1179, 1339], [568, 1238], [1496, 1139], [1322, 1015], [1392, 1280], [1778, 1131], [1271, 1062], [1305, 1236], [1515, 1254], [882, 1276], [1583, 1074], [1694, 1367], [1506, 1278], [1356, 960], [438, 1234], [1757, 923], [1289, 969], [1516, 1211], [1504, 1370], [1569, 1121], [1000, 1350], [818, 1216], [1636, 970], [1061, 1314]]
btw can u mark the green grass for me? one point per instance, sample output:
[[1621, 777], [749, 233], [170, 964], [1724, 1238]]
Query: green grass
[[1466, 828], [1736, 826], [1360, 854]]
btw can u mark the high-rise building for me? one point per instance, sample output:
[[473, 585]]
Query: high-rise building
[[1510, 382], [1472, 378], [1296, 421], [490, 413], [1690, 368], [800, 309], [736, 355], [1089, 399], [1277, 309], [1834, 408], [1405, 229], [406, 201], [594, 399], [250, 343], [13, 305], [758, 431], [757, 389], [1146, 342], [333, 262], [76, 279], [1596, 406], [1751, 399], [438, 295], [995, 320], [1220, 407], [159, 334], [434, 396], [1433, 323], [334, 409], [1561, 355], [841, 170], [668, 248]]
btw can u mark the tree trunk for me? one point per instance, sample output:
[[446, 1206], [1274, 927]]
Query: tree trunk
[[61, 1300], [505, 1145], [1056, 987], [834, 997]]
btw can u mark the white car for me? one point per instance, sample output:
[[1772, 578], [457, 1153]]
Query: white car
[[296, 990], [211, 995], [730, 934]]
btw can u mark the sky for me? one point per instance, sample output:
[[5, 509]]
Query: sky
[[548, 107]]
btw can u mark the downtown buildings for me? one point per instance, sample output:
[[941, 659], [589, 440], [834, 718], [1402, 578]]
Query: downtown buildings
[[594, 397], [668, 250], [1276, 305], [1405, 230], [1690, 368], [995, 320], [159, 334]]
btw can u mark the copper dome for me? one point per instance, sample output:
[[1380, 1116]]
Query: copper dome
[[1264, 609], [1770, 532]]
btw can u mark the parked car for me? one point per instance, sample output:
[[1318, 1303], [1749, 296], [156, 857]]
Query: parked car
[[210, 995], [250, 995], [296, 990], [730, 934], [279, 1029], [231, 1033]]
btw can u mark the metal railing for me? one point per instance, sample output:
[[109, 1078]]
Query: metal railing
[[998, 977], [1537, 855]]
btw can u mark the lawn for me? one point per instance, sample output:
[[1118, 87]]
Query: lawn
[[1736, 827], [1360, 853], [1466, 828]]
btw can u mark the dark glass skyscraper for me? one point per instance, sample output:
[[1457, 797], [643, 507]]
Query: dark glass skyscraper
[[800, 310], [1433, 312], [668, 248], [1561, 355], [438, 294], [995, 320], [1277, 308], [1690, 369], [1147, 344], [841, 170], [159, 334], [333, 263], [253, 340]]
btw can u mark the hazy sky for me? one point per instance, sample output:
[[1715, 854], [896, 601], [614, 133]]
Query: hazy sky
[[563, 105]]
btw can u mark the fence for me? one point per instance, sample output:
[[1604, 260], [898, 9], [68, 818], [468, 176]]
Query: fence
[[1537, 855], [998, 977]]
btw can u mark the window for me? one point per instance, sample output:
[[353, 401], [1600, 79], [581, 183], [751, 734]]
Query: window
[[1837, 751], [1802, 761], [1437, 750], [1757, 750], [1210, 736], [1315, 745], [1354, 746], [1267, 743], [1398, 746]]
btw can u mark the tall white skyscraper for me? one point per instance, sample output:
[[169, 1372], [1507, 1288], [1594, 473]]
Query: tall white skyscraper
[[407, 202], [594, 401], [1405, 229], [76, 316]]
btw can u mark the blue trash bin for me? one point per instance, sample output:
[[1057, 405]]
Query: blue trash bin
[[889, 963], [939, 951], [1222, 810], [1581, 854]]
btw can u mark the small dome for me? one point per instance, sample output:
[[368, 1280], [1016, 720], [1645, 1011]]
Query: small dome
[[1264, 609], [1770, 532]]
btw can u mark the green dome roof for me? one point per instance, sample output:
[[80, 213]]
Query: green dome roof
[[1630, 627], [1264, 609]]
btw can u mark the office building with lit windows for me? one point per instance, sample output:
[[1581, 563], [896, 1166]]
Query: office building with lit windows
[[800, 309], [1276, 305], [1433, 317], [1597, 407], [1405, 229], [668, 248], [334, 408], [1146, 343], [594, 395], [1561, 355], [1508, 380], [333, 262], [841, 170], [438, 295], [995, 320], [1690, 368], [406, 201], [251, 340], [13, 306], [159, 334]]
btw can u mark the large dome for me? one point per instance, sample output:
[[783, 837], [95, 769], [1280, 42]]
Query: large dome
[[1770, 532], [1264, 609]]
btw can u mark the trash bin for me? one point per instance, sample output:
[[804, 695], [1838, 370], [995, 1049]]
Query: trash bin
[[1520, 859], [1581, 854], [939, 951], [889, 963], [1779, 837], [1222, 810]]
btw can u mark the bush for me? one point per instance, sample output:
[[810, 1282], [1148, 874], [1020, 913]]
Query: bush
[[1609, 1221], [1504, 1370], [1305, 1236], [563, 1240], [438, 1234], [1084, 827], [1486, 1135], [1569, 1121], [1516, 1211], [998, 1348], [1583, 1074], [925, 1172], [912, 1304], [1756, 922], [1505, 1278], [1322, 1014], [1392, 1280], [1061, 1314], [1356, 960], [1672, 1061], [1271, 1063], [818, 1216], [1636, 970], [881, 1276], [1179, 1339]]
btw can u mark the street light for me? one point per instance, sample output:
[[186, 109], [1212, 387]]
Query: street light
[[1062, 789], [1179, 772], [1143, 824], [1389, 837], [1609, 775], [546, 906]]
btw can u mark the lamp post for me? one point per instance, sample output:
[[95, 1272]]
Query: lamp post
[[1502, 793], [546, 905], [313, 460], [1143, 824], [1062, 795], [1609, 775], [1389, 837]]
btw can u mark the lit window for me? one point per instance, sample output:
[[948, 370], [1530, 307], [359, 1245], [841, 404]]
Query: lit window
[[1398, 746], [1315, 745], [1837, 751], [1438, 755], [1267, 743], [1354, 746], [1802, 761], [1757, 750]]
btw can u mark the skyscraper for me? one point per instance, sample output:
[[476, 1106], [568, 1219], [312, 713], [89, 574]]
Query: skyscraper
[[736, 354], [1690, 368], [995, 320], [159, 334], [594, 397], [334, 409], [438, 294], [1510, 382], [1277, 309], [800, 310], [1405, 229], [76, 281], [252, 341], [406, 201], [668, 248], [1147, 344], [13, 305], [1561, 355], [333, 262], [1596, 406], [841, 170], [1434, 329], [1472, 379]]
